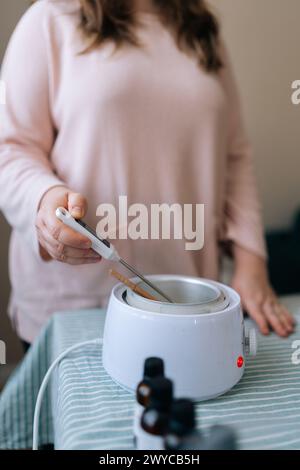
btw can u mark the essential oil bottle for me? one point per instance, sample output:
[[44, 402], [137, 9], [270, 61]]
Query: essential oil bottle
[[153, 368], [181, 432], [154, 422], [220, 438]]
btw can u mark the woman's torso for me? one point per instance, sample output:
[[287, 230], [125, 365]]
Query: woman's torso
[[147, 123]]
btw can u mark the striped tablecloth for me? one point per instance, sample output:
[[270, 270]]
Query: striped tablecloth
[[85, 409]]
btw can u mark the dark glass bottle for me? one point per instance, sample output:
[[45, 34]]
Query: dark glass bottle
[[154, 422], [181, 432], [153, 368], [220, 438]]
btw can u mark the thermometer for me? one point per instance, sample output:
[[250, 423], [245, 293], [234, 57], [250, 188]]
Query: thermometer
[[103, 247]]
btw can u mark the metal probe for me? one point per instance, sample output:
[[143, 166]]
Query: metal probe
[[138, 274], [103, 247]]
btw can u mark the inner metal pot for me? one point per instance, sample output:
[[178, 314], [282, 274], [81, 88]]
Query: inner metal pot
[[190, 296]]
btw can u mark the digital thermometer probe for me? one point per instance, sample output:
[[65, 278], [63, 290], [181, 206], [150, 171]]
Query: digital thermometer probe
[[103, 247]]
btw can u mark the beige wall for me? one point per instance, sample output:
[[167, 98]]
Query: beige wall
[[263, 36], [10, 12]]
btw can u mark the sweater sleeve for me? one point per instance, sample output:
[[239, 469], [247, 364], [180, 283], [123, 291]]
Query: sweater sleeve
[[27, 132], [242, 210]]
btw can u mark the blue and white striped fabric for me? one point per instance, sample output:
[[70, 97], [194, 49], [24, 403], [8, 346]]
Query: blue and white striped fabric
[[85, 409]]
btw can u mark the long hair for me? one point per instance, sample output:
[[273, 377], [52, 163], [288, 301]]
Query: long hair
[[194, 24]]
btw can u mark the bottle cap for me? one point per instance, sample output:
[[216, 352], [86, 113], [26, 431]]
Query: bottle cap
[[153, 367], [161, 393], [182, 417]]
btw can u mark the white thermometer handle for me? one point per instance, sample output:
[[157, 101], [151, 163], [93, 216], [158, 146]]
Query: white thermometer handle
[[101, 246]]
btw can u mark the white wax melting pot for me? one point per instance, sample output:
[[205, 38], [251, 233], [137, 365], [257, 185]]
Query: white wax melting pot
[[201, 336], [199, 332]]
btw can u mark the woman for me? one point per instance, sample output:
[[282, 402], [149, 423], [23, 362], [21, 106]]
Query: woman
[[127, 97]]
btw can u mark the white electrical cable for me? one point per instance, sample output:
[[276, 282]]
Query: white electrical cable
[[37, 410]]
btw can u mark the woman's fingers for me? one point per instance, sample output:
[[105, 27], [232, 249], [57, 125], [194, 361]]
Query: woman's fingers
[[77, 205], [262, 304], [271, 314], [61, 249], [59, 241], [64, 253], [275, 318], [65, 257], [44, 253], [65, 235], [286, 318], [76, 261], [255, 311], [289, 316]]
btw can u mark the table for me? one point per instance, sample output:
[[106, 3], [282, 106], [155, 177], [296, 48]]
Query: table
[[85, 409]]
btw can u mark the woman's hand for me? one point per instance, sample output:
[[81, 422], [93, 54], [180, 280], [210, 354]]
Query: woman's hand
[[259, 300], [57, 241]]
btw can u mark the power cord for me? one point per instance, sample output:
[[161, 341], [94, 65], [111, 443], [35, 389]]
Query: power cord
[[37, 410]]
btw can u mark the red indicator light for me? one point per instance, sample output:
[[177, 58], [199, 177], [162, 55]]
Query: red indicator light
[[240, 362]]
